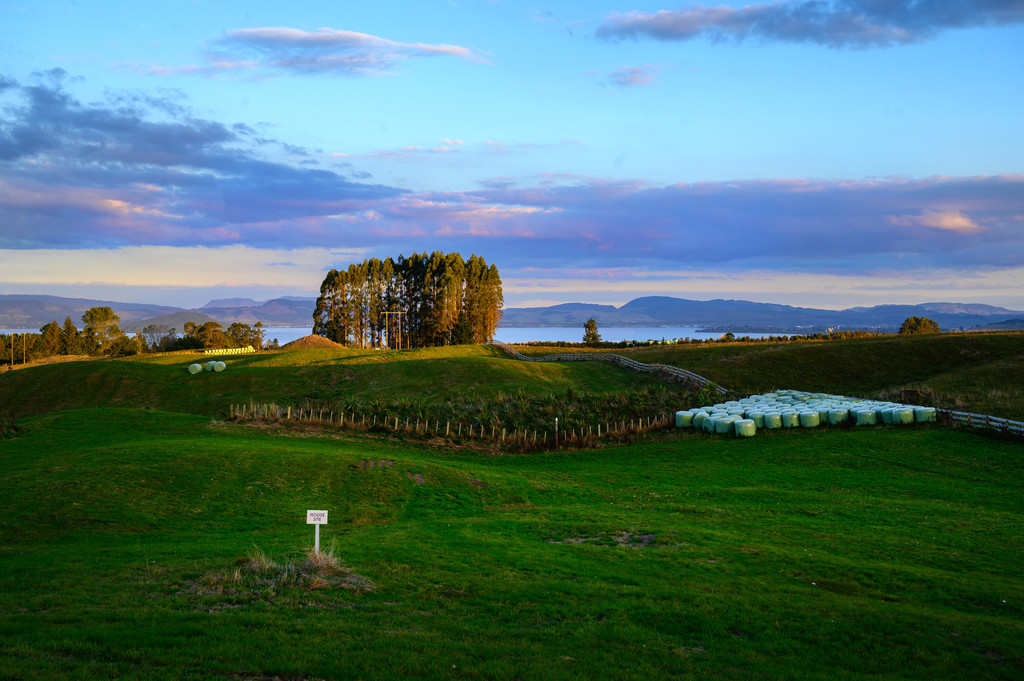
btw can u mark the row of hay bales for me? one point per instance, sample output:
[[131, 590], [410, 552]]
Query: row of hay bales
[[230, 351], [794, 408], [209, 366]]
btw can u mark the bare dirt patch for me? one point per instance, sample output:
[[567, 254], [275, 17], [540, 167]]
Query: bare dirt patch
[[626, 539]]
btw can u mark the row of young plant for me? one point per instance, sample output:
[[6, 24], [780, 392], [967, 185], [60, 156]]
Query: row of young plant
[[569, 418]]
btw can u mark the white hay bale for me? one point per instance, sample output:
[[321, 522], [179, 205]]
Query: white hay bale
[[209, 365], [699, 418], [725, 425], [195, 368], [772, 419], [837, 416], [757, 417], [866, 417], [708, 425], [683, 419], [790, 419], [924, 414], [745, 428], [903, 415], [809, 419], [219, 366]]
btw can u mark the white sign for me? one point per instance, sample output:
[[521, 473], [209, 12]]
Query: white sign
[[316, 517]]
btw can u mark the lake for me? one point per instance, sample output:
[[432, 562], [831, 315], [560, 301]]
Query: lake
[[571, 334]]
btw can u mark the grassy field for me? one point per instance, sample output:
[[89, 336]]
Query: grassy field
[[143, 536], [979, 372], [807, 554]]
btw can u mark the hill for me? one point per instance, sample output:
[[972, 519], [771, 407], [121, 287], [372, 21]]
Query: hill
[[741, 315], [144, 535], [33, 312]]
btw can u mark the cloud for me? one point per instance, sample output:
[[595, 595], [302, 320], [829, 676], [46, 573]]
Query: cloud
[[631, 76], [833, 23], [951, 220], [233, 266], [272, 51], [137, 170], [146, 172]]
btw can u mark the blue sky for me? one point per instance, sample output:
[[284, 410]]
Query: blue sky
[[826, 154]]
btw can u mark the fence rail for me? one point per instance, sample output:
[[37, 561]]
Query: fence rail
[[620, 360], [984, 421]]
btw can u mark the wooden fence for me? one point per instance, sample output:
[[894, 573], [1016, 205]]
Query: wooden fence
[[624, 362], [982, 421]]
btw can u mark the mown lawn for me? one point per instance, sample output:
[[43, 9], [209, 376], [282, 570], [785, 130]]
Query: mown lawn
[[825, 554]]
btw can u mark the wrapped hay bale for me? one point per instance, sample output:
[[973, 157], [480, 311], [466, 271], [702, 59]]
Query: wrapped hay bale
[[790, 419], [699, 418], [195, 368], [866, 417], [209, 365], [809, 419], [683, 419], [219, 366], [757, 417], [772, 419], [924, 414], [837, 416], [725, 425], [708, 425], [903, 415], [745, 428]]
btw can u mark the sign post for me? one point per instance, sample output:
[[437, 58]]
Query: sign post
[[317, 518]]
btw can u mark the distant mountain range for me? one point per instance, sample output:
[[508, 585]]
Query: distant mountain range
[[32, 312], [742, 315]]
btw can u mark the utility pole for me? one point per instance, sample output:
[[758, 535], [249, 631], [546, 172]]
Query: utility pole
[[387, 317]]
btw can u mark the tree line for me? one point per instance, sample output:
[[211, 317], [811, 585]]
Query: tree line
[[417, 301], [101, 335]]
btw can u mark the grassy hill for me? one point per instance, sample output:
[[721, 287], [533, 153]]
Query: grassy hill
[[980, 372], [144, 537]]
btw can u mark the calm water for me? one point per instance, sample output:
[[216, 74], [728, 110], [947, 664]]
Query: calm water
[[553, 333], [572, 334]]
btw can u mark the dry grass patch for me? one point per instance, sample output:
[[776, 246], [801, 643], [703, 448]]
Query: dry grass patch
[[258, 577]]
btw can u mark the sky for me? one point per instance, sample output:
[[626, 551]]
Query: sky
[[821, 153]]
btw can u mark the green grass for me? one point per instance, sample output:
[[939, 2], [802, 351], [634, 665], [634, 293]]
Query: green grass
[[430, 376], [979, 372], [842, 554], [142, 536]]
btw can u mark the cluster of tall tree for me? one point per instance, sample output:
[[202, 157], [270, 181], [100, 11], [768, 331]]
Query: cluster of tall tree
[[422, 300], [102, 335]]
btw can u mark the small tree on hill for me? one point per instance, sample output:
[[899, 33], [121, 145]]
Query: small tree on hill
[[101, 328], [590, 334], [918, 325]]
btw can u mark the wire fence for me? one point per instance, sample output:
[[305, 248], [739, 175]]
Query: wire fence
[[521, 438], [619, 360]]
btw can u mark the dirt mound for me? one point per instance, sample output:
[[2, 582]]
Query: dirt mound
[[311, 341]]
